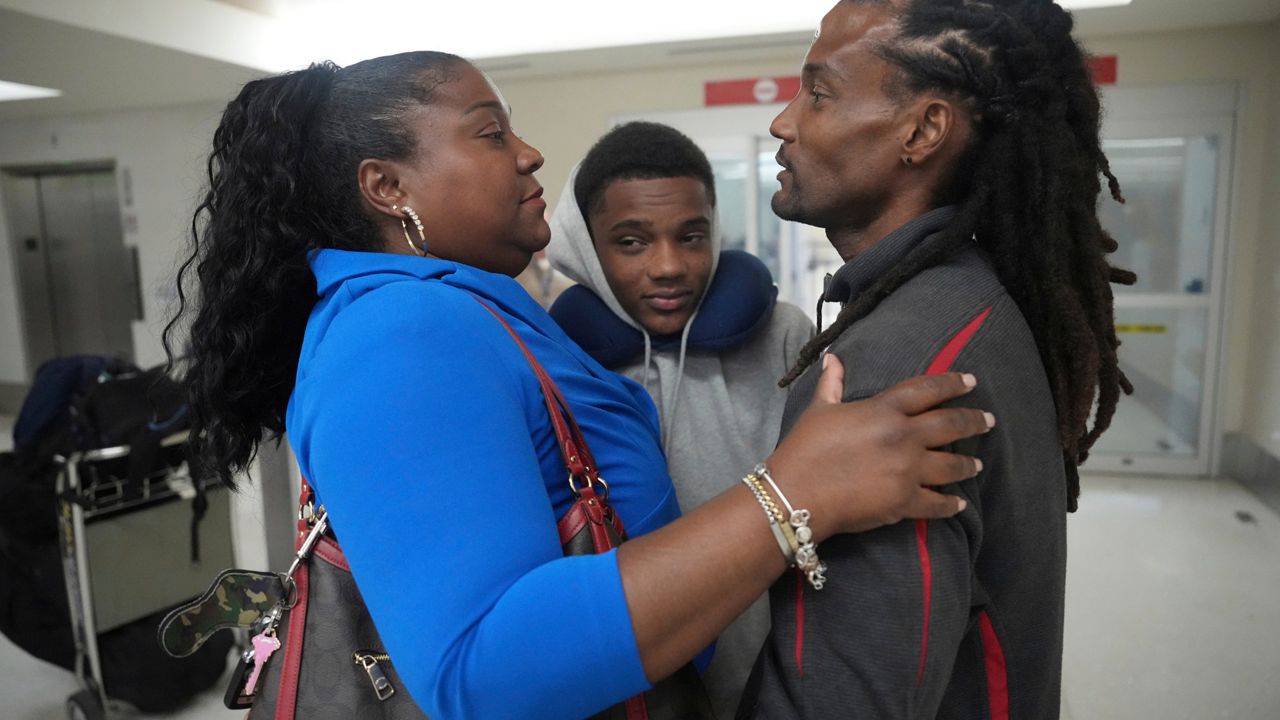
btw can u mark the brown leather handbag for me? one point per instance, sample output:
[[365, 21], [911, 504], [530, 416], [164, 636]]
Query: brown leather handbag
[[331, 662]]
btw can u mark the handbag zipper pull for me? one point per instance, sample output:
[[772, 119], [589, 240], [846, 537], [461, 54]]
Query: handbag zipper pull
[[371, 664]]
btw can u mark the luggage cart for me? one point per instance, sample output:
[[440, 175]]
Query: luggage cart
[[126, 551]]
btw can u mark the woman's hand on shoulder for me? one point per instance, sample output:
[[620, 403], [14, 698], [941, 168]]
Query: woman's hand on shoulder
[[873, 462]]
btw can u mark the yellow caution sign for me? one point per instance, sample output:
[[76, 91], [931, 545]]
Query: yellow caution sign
[[1145, 329]]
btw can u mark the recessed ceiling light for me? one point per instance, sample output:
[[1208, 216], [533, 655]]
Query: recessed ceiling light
[[18, 91]]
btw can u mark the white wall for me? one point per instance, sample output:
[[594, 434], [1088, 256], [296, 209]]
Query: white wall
[[1262, 384], [162, 151], [562, 116]]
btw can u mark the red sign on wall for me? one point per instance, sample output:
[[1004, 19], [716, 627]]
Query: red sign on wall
[[757, 91], [1105, 69]]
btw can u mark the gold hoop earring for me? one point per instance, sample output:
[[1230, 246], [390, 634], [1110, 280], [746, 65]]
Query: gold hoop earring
[[422, 235]]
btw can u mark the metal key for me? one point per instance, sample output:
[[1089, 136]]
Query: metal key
[[264, 645]]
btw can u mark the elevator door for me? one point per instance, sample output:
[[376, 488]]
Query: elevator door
[[78, 283]]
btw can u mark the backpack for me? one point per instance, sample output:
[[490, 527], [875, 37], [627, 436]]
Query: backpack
[[44, 425]]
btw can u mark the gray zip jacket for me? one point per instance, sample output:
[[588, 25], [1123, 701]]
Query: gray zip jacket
[[959, 618]]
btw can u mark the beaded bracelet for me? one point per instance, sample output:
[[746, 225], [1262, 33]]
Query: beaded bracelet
[[806, 554]]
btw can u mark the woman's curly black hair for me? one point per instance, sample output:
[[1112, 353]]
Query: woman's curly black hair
[[282, 181], [1027, 190]]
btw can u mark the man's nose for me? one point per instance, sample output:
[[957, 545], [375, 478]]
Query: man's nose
[[782, 127], [667, 262]]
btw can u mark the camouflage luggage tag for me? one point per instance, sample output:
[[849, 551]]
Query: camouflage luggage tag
[[237, 599]]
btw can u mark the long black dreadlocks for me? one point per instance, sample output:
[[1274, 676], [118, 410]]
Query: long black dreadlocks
[[1027, 189]]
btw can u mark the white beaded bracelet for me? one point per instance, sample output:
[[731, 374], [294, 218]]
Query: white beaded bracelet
[[806, 556]]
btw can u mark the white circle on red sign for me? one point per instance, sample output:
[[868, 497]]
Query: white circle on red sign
[[766, 90]]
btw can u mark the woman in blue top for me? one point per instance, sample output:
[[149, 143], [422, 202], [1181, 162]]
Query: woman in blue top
[[353, 217]]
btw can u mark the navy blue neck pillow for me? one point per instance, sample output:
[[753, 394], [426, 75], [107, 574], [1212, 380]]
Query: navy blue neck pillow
[[738, 304]]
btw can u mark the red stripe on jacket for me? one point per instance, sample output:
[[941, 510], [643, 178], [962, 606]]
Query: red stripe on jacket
[[800, 622], [997, 673], [926, 580], [947, 357], [941, 363]]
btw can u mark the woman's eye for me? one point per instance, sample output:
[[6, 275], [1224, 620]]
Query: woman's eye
[[816, 95], [497, 136]]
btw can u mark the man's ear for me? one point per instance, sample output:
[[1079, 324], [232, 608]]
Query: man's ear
[[934, 125], [379, 182]]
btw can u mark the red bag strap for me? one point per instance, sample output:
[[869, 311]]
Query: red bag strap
[[573, 446]]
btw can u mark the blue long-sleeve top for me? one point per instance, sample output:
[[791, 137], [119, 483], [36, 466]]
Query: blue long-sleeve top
[[422, 427]]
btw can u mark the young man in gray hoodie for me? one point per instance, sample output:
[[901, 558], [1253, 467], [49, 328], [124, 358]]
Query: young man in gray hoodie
[[660, 302]]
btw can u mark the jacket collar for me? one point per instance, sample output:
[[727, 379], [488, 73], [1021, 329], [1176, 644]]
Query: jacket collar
[[332, 267], [860, 272]]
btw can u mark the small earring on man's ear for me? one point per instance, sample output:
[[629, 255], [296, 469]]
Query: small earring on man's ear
[[907, 160], [422, 235]]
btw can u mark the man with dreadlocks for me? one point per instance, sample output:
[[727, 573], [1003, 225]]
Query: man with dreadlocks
[[951, 150]]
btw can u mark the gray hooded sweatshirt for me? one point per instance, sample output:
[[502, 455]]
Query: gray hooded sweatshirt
[[720, 413]]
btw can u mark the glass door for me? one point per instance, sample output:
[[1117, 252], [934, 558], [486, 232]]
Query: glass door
[[798, 256], [1175, 175]]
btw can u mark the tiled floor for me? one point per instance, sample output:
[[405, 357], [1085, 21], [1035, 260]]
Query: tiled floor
[[1173, 611], [1173, 603]]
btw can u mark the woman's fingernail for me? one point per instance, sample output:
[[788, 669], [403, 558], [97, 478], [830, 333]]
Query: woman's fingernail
[[977, 464], [991, 419], [969, 380], [963, 504], [826, 361]]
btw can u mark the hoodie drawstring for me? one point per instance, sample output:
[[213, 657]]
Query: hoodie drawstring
[[648, 358], [671, 414]]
